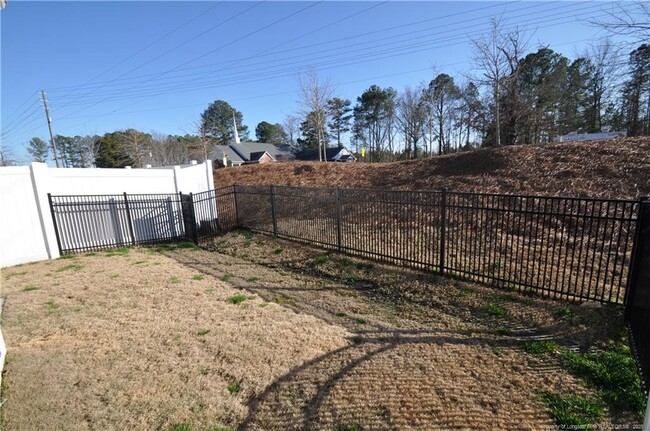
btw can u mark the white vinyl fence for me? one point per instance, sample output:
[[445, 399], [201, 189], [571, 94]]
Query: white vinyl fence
[[26, 227]]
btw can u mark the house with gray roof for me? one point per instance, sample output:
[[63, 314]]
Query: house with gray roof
[[244, 153]]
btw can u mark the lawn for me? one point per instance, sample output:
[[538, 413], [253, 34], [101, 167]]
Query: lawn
[[258, 333]]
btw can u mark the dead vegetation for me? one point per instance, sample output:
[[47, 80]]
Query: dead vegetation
[[613, 169]]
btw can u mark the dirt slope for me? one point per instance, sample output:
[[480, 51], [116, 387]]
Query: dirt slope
[[615, 169]]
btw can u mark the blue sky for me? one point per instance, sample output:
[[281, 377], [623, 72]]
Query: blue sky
[[155, 66]]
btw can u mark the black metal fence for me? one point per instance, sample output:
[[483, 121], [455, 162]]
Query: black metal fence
[[570, 248], [637, 310], [96, 222]]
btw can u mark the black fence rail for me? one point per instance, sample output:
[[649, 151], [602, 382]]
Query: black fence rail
[[637, 310], [571, 248]]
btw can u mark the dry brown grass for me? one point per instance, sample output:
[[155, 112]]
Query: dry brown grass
[[113, 343], [613, 169]]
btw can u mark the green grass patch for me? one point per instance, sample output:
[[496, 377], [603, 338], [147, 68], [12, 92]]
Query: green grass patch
[[340, 314], [496, 310], [92, 253], [564, 313], [497, 351], [174, 280], [120, 251], [51, 305], [264, 304], [71, 267], [539, 347], [237, 299], [186, 245], [278, 250], [30, 289], [234, 388], [465, 291], [198, 277], [360, 320], [502, 330], [114, 276], [344, 262], [180, 427], [355, 278], [226, 277], [68, 256], [614, 374], [283, 299], [203, 371], [252, 279], [202, 331], [321, 260], [573, 410], [209, 290], [365, 266]]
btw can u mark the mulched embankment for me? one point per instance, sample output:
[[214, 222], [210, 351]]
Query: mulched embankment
[[611, 169]]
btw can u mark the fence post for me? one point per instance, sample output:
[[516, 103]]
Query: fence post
[[443, 228], [339, 218], [195, 231], [234, 197], [636, 248], [128, 217], [275, 222], [56, 227]]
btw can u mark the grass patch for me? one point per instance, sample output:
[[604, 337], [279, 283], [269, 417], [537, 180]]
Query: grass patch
[[572, 410], [340, 314], [51, 305], [120, 251], [344, 262], [30, 289], [234, 388], [252, 279], [226, 277], [502, 330], [198, 277], [237, 299], [360, 321], [180, 427], [202, 331], [321, 260], [355, 278], [203, 371], [539, 347], [564, 313], [264, 304], [365, 266], [614, 374], [92, 253], [278, 250], [68, 256], [114, 276], [497, 351], [71, 267], [496, 310], [283, 299], [174, 280]]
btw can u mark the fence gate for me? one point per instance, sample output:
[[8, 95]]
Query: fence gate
[[96, 222]]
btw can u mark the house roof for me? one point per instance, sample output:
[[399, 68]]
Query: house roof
[[312, 154], [251, 151]]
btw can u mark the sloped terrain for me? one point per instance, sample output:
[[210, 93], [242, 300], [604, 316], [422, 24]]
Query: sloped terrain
[[612, 169]]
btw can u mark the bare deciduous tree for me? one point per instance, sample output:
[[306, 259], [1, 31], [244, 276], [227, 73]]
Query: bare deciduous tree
[[314, 94], [630, 20], [410, 117]]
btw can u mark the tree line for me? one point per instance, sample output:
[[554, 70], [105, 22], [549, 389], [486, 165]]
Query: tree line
[[516, 96]]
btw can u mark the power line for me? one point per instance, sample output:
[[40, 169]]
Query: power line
[[225, 45], [342, 61]]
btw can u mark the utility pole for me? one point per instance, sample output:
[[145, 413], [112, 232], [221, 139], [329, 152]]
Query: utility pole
[[49, 125]]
